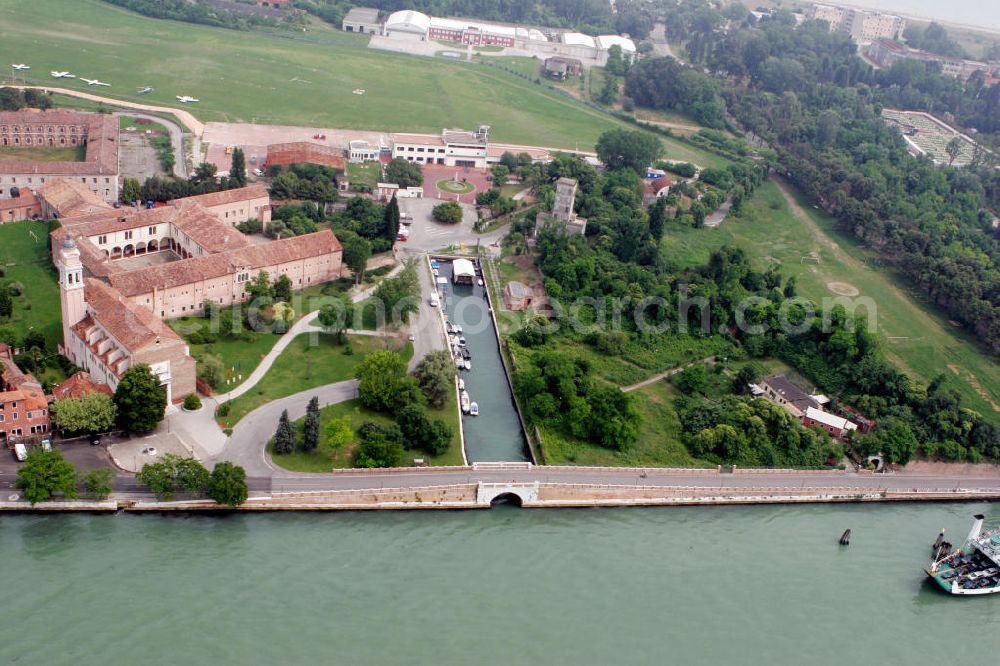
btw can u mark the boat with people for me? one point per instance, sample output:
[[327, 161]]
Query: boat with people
[[974, 567], [474, 409], [465, 401]]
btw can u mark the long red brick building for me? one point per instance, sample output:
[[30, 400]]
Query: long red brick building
[[61, 129], [123, 271]]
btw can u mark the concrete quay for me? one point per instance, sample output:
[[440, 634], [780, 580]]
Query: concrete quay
[[422, 492]]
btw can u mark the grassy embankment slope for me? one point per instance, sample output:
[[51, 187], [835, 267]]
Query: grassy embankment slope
[[303, 79], [914, 336]]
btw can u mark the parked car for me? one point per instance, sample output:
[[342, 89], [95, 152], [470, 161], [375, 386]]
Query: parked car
[[20, 452], [46, 445]]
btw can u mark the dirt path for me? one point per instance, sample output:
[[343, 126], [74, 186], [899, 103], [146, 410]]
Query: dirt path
[[666, 373], [192, 123]]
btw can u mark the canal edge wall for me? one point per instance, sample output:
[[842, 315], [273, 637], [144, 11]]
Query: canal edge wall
[[444, 330]]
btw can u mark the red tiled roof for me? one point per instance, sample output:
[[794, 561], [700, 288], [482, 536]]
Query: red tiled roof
[[27, 199], [205, 229], [78, 386], [660, 183], [212, 266], [225, 196], [71, 198], [31, 397], [102, 143], [134, 326]]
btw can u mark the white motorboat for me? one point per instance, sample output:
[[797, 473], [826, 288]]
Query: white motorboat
[[461, 384], [464, 400], [474, 409], [459, 363], [468, 364]]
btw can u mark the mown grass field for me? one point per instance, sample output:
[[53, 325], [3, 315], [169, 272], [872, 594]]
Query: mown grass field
[[296, 79], [25, 260], [914, 336], [300, 79], [304, 365]]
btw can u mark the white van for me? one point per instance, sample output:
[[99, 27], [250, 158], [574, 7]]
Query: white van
[[20, 452]]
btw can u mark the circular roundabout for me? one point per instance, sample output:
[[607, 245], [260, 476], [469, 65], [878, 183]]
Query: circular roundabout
[[453, 186]]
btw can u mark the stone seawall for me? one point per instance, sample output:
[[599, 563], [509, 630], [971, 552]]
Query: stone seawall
[[528, 495]]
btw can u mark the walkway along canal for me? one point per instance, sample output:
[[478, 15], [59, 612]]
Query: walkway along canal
[[494, 435]]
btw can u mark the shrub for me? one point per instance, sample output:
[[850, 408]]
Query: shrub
[[192, 402], [448, 212]]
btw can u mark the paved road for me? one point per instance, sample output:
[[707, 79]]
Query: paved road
[[176, 139], [193, 124], [286, 482]]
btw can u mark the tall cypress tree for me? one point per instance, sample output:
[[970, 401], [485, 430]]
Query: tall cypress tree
[[392, 219], [284, 437], [238, 169], [310, 439]]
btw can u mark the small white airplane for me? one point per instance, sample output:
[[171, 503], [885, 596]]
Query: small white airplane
[[94, 82], [21, 66], [63, 75], [184, 99], [144, 91]]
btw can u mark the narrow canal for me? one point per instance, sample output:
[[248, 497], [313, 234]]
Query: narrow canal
[[494, 435]]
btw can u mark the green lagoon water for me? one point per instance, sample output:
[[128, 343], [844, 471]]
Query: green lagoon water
[[712, 585]]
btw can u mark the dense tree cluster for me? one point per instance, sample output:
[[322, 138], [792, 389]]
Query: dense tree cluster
[[367, 219], [807, 93], [198, 12], [752, 433], [15, 99], [664, 83], [311, 182], [559, 391], [837, 351]]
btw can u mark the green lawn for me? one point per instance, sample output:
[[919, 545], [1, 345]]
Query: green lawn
[[26, 260], [326, 458], [141, 125], [365, 173], [304, 365], [299, 79], [915, 337], [659, 443], [43, 153], [241, 357]]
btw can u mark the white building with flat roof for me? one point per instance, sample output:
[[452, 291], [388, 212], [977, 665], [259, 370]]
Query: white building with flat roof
[[453, 147]]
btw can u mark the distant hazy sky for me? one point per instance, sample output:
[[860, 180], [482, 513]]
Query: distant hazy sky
[[981, 13]]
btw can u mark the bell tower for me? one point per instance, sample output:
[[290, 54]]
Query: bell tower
[[70, 291]]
